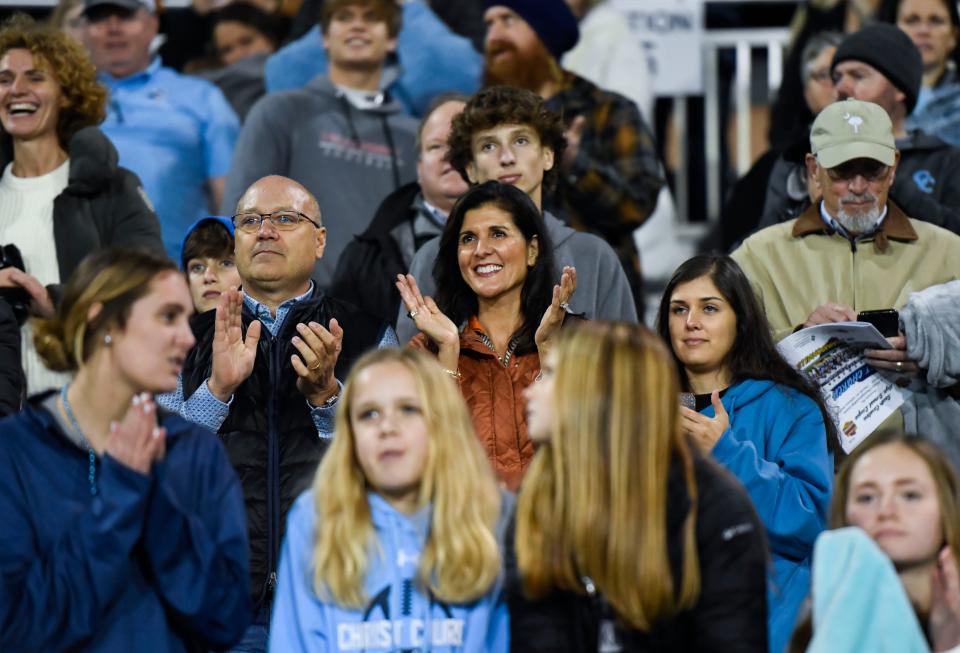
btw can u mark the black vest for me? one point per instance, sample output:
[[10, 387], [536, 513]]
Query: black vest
[[269, 435]]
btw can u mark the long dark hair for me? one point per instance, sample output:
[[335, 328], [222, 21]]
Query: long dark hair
[[456, 299], [754, 354]]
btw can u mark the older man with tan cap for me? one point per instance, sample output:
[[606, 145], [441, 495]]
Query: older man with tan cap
[[855, 250]]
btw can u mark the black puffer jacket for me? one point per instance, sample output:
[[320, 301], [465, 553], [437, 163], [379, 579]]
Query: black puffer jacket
[[269, 435], [12, 382], [729, 617], [102, 205], [367, 269]]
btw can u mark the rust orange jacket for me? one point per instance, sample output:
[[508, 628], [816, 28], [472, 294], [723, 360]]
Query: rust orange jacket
[[494, 394]]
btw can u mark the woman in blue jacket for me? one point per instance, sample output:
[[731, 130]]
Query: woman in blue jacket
[[755, 415], [397, 545], [123, 528]]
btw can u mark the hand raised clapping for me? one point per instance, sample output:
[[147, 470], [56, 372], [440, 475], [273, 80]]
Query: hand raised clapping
[[553, 316], [319, 349], [233, 355]]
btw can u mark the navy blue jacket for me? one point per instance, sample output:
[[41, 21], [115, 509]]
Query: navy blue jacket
[[151, 563]]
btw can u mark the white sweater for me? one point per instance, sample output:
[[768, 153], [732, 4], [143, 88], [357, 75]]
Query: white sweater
[[26, 220]]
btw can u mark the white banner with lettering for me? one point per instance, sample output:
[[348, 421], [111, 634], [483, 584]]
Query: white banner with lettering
[[671, 33]]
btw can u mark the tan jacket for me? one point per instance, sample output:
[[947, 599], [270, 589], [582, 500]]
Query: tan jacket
[[799, 265], [494, 394]]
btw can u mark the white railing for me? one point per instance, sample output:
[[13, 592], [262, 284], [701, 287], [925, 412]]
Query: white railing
[[770, 41]]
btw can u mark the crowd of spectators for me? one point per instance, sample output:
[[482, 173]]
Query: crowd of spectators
[[386, 250]]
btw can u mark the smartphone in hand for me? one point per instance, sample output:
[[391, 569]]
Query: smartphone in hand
[[887, 321]]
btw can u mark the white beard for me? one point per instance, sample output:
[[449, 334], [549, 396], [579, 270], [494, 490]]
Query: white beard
[[860, 222]]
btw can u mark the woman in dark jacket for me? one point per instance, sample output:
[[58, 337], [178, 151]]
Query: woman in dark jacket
[[626, 539], [123, 528], [61, 189]]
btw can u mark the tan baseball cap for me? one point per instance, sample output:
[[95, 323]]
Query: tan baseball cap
[[852, 129]]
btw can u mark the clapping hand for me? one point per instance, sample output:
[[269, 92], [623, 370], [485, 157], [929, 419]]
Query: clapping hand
[[430, 320], [705, 431], [137, 441], [553, 316], [319, 349], [233, 355]]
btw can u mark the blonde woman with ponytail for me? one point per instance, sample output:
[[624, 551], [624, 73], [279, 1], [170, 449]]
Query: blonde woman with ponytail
[[627, 539], [123, 526], [397, 546]]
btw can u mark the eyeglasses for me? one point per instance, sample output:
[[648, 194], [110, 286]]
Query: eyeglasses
[[281, 221], [869, 169]]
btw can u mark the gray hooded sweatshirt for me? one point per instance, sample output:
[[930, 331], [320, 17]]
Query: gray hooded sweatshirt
[[350, 159], [603, 292]]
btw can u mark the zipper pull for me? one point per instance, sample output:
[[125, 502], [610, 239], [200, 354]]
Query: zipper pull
[[272, 582]]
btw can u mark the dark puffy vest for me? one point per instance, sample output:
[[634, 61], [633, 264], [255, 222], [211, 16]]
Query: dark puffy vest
[[269, 435]]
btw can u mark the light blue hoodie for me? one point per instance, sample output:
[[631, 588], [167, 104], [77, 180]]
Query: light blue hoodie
[[776, 446], [859, 603], [398, 615]]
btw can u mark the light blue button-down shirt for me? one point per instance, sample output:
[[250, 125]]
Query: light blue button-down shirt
[[205, 409]]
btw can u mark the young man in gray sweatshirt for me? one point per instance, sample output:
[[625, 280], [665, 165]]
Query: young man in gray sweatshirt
[[340, 136]]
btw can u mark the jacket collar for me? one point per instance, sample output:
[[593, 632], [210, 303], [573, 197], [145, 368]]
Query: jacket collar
[[896, 226]]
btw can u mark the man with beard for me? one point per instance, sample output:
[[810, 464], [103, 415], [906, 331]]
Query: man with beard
[[881, 64], [609, 173], [854, 250]]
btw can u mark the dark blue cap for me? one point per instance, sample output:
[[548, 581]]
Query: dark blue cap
[[552, 20]]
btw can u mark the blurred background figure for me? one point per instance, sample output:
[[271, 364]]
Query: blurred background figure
[[62, 194], [933, 27], [742, 211], [67, 16], [609, 54], [244, 35]]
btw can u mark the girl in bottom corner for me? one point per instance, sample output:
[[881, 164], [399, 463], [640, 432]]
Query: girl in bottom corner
[[397, 546]]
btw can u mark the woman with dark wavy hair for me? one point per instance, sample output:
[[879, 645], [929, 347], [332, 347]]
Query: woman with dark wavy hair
[[755, 415], [496, 310], [61, 189]]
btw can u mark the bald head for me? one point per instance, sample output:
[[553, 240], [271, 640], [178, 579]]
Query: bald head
[[273, 189], [276, 265]]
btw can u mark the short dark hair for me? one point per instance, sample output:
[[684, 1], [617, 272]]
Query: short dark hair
[[754, 354], [456, 299], [209, 239], [388, 10], [505, 105]]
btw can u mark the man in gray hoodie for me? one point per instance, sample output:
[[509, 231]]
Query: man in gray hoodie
[[508, 134], [340, 136]]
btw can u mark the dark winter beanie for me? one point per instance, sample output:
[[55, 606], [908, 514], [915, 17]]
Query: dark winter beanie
[[889, 50], [552, 20]]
